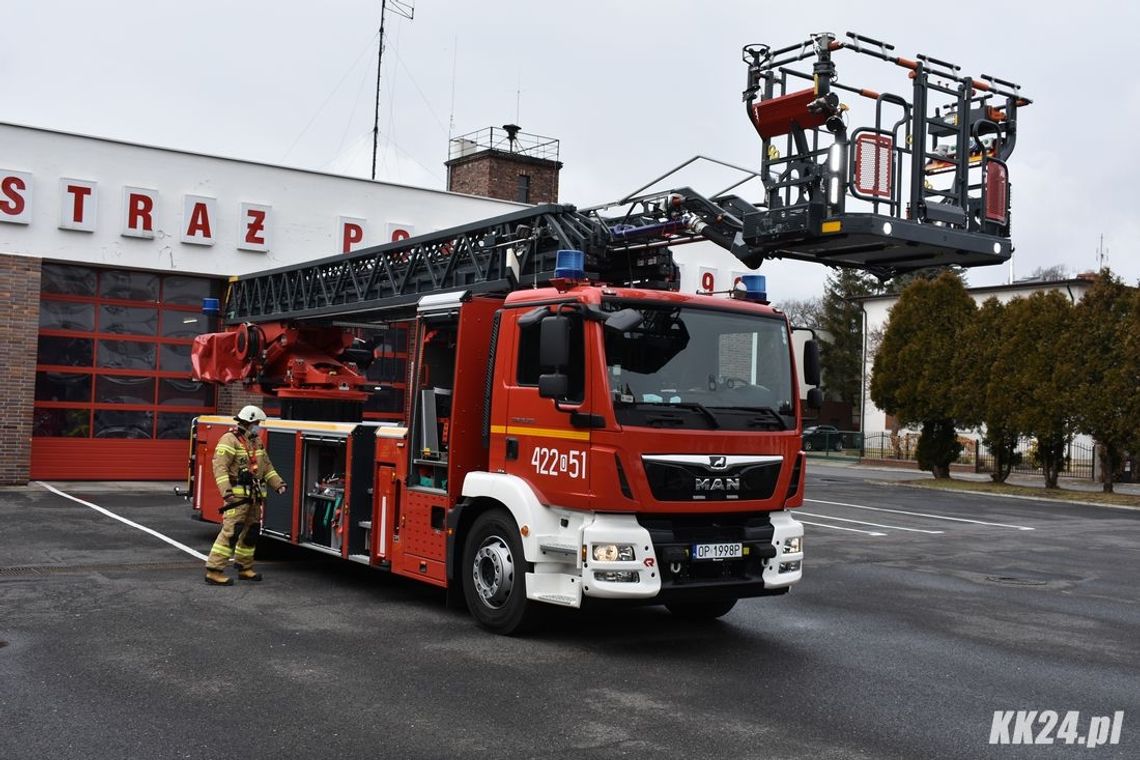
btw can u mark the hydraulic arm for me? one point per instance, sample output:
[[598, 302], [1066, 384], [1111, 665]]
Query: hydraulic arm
[[924, 183]]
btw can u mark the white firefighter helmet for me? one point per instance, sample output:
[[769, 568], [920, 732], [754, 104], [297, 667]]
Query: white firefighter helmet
[[250, 413]]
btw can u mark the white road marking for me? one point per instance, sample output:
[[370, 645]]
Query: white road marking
[[862, 522], [920, 514], [839, 527], [131, 523]]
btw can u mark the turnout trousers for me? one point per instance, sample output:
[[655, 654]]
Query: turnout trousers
[[237, 538]]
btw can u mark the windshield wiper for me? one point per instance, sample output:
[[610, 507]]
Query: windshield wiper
[[693, 406], [761, 412], [689, 406]]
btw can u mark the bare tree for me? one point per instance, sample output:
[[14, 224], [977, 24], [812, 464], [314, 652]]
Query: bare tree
[[1050, 274], [806, 312]]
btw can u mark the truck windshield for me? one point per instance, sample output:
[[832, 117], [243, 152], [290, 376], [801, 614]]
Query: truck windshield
[[701, 368]]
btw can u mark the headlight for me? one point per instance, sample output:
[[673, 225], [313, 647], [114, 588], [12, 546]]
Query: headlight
[[618, 576], [794, 545], [613, 552]]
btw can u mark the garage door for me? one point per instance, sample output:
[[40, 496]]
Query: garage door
[[114, 399]]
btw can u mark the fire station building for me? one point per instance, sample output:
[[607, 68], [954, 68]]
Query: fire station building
[[106, 252]]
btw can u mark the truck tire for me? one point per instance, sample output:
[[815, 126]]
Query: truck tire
[[704, 610], [494, 575]]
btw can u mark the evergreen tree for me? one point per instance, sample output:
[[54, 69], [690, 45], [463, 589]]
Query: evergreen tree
[[984, 398], [1032, 367], [899, 283], [1103, 382], [912, 376], [841, 354]]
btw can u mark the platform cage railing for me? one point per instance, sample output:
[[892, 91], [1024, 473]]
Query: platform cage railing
[[920, 174], [506, 139]]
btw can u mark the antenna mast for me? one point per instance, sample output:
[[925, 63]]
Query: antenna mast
[[404, 9]]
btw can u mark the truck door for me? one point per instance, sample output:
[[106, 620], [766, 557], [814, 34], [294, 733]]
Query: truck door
[[545, 440], [281, 446], [421, 508]]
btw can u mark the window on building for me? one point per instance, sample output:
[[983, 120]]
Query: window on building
[[522, 188], [114, 353]]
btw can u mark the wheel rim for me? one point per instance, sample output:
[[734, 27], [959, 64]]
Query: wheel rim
[[493, 571]]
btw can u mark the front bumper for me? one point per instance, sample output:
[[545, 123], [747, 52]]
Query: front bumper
[[662, 568], [765, 566]]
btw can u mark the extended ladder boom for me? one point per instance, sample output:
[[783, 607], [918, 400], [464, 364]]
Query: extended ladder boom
[[924, 183]]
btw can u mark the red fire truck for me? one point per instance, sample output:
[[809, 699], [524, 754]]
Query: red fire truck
[[526, 412]]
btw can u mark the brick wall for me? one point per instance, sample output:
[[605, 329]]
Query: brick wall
[[495, 174], [19, 328], [232, 397], [470, 177]]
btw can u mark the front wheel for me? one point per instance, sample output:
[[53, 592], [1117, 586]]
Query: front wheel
[[808, 446], [494, 574], [704, 610]]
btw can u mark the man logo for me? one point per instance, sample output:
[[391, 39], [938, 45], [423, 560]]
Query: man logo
[[716, 484], [718, 463]]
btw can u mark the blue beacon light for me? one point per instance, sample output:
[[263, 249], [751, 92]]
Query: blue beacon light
[[570, 265], [756, 287]]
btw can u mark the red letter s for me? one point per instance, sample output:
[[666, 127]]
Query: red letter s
[[10, 186]]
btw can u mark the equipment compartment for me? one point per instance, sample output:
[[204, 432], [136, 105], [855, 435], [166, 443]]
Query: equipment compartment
[[323, 507]]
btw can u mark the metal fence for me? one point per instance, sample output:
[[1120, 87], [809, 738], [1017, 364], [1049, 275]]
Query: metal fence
[[839, 443], [1078, 459], [903, 447]]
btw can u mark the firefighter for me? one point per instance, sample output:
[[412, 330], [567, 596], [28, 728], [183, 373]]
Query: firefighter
[[242, 470]]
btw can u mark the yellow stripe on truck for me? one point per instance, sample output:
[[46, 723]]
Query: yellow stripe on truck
[[569, 435]]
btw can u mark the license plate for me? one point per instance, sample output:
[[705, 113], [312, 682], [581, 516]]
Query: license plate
[[717, 551]]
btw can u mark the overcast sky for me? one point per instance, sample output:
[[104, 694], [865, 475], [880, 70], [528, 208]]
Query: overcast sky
[[631, 88]]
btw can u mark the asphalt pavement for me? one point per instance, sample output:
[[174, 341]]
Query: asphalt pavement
[[920, 615]]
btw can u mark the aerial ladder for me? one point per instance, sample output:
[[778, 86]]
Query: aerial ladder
[[924, 183]]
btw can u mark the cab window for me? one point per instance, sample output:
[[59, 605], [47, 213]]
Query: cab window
[[528, 369]]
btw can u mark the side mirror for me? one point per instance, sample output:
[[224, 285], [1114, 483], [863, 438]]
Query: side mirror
[[533, 317], [814, 399], [554, 386], [554, 343], [811, 363], [624, 320]]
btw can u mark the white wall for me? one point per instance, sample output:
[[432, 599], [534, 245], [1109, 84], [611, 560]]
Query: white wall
[[704, 264], [303, 218]]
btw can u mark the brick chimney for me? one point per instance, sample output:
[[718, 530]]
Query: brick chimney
[[504, 163]]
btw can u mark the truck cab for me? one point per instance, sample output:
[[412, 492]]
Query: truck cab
[[647, 445]]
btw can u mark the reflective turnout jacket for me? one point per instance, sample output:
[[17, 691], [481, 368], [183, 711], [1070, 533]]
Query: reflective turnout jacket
[[241, 466]]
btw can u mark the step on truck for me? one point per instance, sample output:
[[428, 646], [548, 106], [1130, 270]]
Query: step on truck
[[526, 411]]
